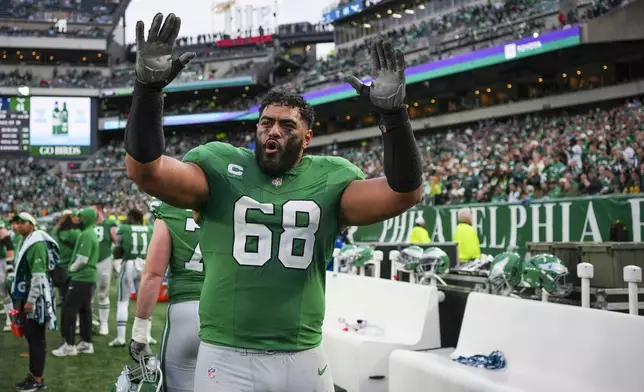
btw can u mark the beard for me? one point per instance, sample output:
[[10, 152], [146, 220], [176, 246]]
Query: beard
[[280, 162]]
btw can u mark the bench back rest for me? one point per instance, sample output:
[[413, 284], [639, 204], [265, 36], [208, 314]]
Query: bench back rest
[[400, 308], [590, 347]]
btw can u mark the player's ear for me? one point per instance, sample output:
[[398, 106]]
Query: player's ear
[[307, 138]]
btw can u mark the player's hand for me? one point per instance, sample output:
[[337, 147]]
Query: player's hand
[[138, 350], [155, 65], [387, 90], [28, 308]]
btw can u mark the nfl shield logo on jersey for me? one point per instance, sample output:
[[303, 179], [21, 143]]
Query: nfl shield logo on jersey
[[277, 181], [211, 372]]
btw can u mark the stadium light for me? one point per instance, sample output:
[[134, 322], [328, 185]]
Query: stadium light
[[397, 16], [535, 35], [411, 12], [605, 67], [366, 26], [421, 7]]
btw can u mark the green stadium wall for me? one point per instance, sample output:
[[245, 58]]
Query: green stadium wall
[[504, 225]]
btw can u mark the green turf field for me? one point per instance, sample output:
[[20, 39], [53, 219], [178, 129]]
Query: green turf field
[[93, 372]]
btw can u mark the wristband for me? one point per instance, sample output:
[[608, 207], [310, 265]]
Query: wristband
[[140, 330], [144, 140]]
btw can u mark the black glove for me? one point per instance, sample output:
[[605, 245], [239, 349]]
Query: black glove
[[155, 65], [387, 89], [138, 350]]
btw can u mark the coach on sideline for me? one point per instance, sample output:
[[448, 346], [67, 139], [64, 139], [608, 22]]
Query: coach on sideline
[[32, 293]]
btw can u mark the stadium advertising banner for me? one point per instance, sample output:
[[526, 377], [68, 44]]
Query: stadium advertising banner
[[352, 8], [177, 86], [258, 39], [502, 226], [525, 47], [60, 126]]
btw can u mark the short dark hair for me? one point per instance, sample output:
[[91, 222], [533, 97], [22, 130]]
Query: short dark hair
[[288, 99], [135, 216]]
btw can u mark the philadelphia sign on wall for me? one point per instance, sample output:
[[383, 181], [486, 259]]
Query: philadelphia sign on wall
[[503, 226]]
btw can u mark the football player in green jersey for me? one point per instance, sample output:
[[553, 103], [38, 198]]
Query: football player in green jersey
[[174, 247], [106, 231], [6, 267], [269, 219], [131, 245]]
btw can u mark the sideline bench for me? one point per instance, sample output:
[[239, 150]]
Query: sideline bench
[[548, 347], [402, 315]]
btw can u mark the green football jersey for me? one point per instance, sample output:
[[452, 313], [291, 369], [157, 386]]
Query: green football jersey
[[185, 269], [266, 243], [134, 241], [103, 232]]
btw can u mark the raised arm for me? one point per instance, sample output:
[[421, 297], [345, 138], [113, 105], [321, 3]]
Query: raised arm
[[369, 201], [156, 263], [175, 182]]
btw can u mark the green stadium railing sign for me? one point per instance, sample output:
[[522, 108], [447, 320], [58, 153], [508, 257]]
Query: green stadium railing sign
[[509, 226], [188, 86], [522, 48]]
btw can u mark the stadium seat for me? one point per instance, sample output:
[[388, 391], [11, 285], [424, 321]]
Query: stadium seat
[[547, 347], [398, 315]]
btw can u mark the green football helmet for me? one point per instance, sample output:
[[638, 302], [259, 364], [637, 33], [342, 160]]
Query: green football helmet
[[410, 258], [505, 273], [531, 276], [145, 376], [358, 256], [552, 274], [435, 260], [153, 206]]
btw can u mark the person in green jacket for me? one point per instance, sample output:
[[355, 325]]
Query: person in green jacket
[[66, 234], [82, 279]]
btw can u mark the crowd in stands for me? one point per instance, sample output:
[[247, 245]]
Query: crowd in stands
[[475, 26], [87, 32], [76, 11], [519, 159]]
